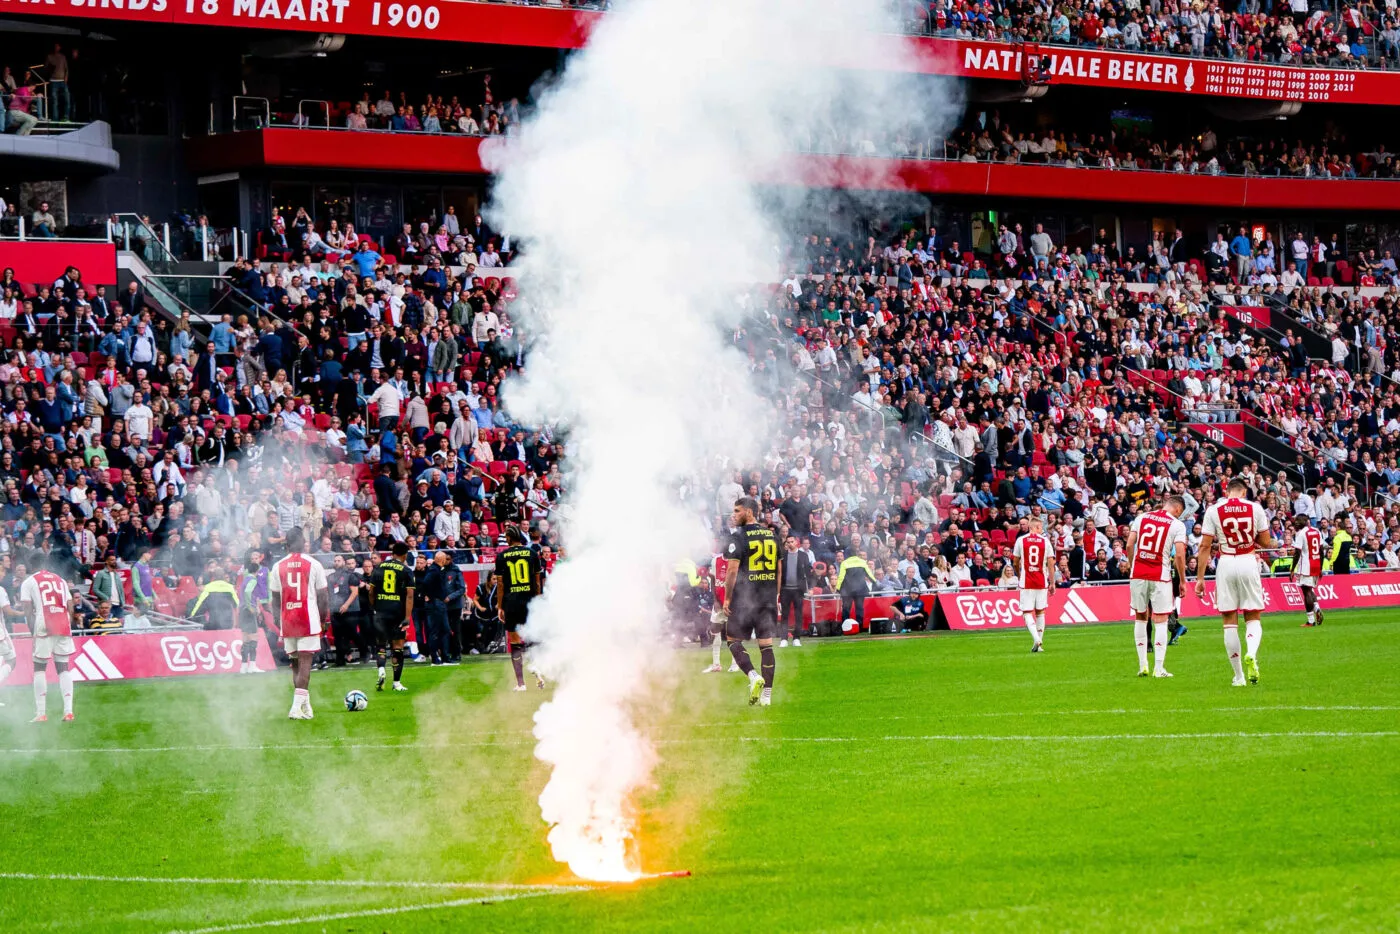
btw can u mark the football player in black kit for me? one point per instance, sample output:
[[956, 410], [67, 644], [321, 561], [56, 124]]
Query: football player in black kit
[[753, 555], [519, 579]]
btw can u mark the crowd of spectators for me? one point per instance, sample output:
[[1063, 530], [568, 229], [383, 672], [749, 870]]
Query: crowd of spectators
[[928, 419], [1202, 154], [395, 112], [988, 137], [1295, 32], [923, 417]]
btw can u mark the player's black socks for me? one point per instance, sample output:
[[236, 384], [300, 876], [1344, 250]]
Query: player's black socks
[[767, 665], [741, 657], [250, 650], [398, 664], [379, 658]]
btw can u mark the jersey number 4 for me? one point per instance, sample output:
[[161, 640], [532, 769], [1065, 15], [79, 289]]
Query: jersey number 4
[[763, 555]]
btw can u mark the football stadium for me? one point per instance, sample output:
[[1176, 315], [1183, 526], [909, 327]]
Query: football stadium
[[841, 465]]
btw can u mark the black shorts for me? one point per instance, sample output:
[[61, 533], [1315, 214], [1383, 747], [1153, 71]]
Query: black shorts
[[387, 628], [515, 615], [744, 622]]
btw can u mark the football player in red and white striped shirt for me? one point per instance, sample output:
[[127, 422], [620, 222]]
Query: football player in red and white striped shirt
[[1239, 526], [301, 605], [1156, 543], [1033, 560], [47, 604], [1307, 566]]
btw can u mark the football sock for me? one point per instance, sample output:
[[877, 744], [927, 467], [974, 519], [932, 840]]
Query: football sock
[[1159, 645], [1312, 621], [379, 660], [5, 669], [300, 696], [1140, 639], [768, 693], [518, 663], [715, 647], [398, 665], [1040, 627], [1253, 635], [1030, 624], [65, 685], [767, 665], [41, 692], [1232, 648], [741, 657]]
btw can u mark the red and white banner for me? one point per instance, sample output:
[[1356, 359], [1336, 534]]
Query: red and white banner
[[1102, 68], [1225, 434], [116, 657], [1001, 609], [1251, 316]]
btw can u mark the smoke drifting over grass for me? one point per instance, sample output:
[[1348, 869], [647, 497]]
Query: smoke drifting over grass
[[636, 184]]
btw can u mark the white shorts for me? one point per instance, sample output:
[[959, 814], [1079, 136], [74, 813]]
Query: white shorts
[[46, 647], [1237, 584], [303, 644], [1154, 596], [1034, 601], [1305, 580]]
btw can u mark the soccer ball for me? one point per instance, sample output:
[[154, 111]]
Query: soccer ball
[[356, 700], [850, 627]]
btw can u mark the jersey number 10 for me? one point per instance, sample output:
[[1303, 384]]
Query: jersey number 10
[[519, 571]]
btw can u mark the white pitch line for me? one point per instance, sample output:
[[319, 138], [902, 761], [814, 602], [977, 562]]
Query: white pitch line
[[1106, 711], [311, 883], [380, 912], [1068, 737]]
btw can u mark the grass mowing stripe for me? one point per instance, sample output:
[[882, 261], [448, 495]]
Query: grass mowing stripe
[[381, 912], [933, 737], [314, 883]]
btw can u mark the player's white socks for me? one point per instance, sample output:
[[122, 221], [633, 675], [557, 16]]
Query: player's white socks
[[1040, 627], [301, 697], [715, 648], [65, 685], [1253, 635], [41, 693], [1030, 624], [1312, 621], [1140, 639], [1232, 649], [5, 669], [1159, 646]]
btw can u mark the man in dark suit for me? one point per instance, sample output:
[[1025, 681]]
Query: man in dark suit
[[794, 579], [133, 300], [206, 369], [101, 308]]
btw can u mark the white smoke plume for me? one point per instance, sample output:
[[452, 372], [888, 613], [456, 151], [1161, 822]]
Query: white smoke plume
[[635, 186]]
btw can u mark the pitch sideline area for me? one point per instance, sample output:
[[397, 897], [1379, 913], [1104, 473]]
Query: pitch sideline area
[[950, 782]]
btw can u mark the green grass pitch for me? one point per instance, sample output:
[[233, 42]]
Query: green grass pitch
[[953, 782]]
